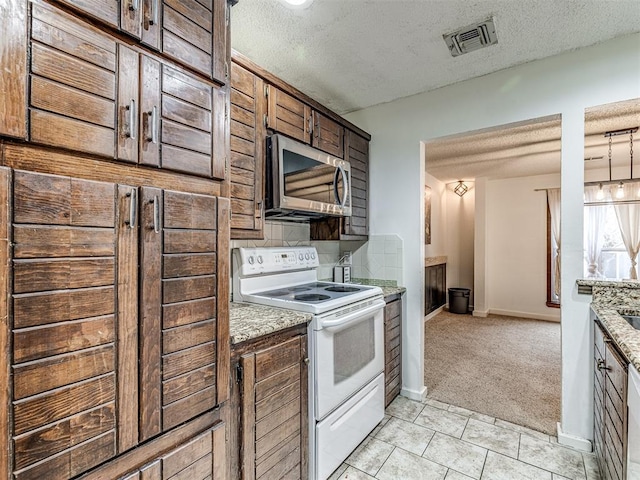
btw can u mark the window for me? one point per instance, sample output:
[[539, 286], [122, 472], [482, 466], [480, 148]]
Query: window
[[614, 261], [553, 300]]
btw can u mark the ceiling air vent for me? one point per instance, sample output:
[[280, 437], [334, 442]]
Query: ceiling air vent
[[472, 37]]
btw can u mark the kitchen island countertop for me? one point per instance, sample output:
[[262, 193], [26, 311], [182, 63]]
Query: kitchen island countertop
[[249, 320]]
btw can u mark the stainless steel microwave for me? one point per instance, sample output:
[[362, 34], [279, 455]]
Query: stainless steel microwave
[[303, 182]]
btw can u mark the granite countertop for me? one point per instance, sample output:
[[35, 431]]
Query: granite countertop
[[388, 289], [587, 282], [624, 335], [249, 320], [430, 261]]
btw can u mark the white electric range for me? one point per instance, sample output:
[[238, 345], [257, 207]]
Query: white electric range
[[346, 345]]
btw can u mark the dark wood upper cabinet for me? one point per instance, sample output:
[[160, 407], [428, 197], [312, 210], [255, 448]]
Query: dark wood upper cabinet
[[189, 31], [327, 135], [92, 94], [247, 154], [100, 365], [355, 227], [288, 115], [13, 68]]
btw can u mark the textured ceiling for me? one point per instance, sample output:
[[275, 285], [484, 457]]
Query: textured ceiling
[[351, 54], [533, 148]]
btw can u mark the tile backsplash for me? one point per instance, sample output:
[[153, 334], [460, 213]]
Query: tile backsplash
[[379, 258]]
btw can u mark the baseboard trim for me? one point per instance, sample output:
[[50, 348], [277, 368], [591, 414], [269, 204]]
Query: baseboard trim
[[434, 313], [533, 316], [480, 313], [573, 441], [417, 395]]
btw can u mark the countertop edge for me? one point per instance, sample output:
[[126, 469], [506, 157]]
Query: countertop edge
[[248, 321], [624, 335]]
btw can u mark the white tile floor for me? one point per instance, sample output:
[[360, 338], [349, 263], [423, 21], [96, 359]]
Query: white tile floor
[[437, 441]]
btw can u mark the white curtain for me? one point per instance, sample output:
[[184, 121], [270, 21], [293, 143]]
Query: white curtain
[[629, 222], [594, 218], [553, 197]]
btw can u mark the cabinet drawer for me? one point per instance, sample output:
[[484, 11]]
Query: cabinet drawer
[[392, 310], [276, 359]]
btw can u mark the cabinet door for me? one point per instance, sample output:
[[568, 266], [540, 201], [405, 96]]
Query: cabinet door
[[288, 115], [274, 421], [357, 153], [328, 135], [106, 11], [73, 83], [184, 326], [13, 69], [202, 458], [247, 154], [189, 31], [598, 396], [184, 133], [392, 350], [74, 324]]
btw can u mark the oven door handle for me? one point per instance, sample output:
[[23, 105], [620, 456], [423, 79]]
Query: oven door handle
[[343, 322]]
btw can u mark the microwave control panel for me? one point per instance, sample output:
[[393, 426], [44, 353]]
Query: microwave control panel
[[255, 261]]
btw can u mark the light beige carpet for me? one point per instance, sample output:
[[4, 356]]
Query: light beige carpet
[[505, 367]]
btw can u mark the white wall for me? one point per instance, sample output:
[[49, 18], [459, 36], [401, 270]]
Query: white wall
[[564, 84], [517, 246]]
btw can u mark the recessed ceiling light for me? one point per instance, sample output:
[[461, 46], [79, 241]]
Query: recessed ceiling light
[[297, 3]]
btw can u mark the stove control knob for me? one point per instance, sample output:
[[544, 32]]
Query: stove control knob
[[313, 256], [260, 259], [251, 260], [301, 257], [306, 255]]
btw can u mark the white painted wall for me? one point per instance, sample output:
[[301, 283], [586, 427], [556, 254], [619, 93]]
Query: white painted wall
[[517, 246], [564, 84]]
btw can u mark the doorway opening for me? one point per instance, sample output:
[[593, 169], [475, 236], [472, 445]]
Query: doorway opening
[[493, 238]]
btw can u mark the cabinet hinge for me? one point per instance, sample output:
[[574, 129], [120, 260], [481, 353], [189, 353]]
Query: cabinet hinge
[[266, 90], [226, 69], [239, 373], [226, 111], [266, 120]]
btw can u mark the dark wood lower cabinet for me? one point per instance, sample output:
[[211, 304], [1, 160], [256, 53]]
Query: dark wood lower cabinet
[[435, 287], [610, 407], [193, 451], [270, 402], [392, 350], [117, 335]]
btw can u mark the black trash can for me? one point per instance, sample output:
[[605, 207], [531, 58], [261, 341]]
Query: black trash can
[[459, 300]]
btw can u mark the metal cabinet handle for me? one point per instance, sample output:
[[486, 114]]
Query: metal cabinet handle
[[133, 208], [154, 125], [133, 133], [602, 365], [260, 209], [306, 361], [153, 20], [134, 5], [156, 215]]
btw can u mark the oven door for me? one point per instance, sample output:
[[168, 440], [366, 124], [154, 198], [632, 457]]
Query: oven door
[[348, 353]]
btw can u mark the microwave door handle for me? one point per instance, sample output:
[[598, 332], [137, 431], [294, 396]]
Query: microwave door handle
[[345, 182]]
